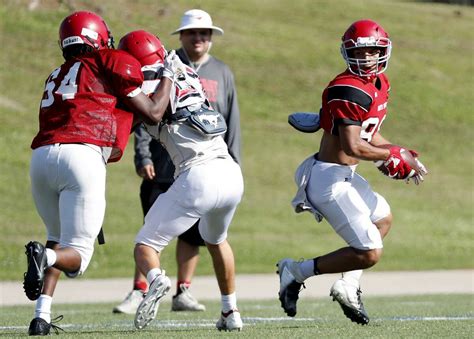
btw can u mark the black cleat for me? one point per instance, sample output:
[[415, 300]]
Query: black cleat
[[34, 276], [289, 286], [39, 326]]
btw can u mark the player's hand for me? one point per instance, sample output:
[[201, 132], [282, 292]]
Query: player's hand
[[147, 172], [174, 65], [395, 164], [418, 178], [168, 68]]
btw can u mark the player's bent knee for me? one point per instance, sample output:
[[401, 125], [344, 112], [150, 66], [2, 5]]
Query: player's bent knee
[[384, 225], [372, 257]]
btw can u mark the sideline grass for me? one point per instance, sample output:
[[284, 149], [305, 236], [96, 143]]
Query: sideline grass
[[430, 316]]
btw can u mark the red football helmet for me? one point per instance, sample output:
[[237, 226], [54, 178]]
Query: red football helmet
[[85, 28], [144, 46], [366, 33]]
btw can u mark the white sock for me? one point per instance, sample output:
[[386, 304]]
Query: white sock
[[229, 302], [43, 307], [152, 274], [352, 277], [307, 268], [50, 257]]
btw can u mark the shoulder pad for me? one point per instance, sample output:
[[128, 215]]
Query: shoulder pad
[[306, 122], [350, 94]]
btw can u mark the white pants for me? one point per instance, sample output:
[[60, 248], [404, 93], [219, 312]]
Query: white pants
[[348, 203], [210, 192], [68, 187]]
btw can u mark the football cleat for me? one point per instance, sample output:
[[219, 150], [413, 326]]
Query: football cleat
[[148, 308], [230, 321], [39, 326], [348, 297], [34, 276], [185, 301], [130, 304], [291, 281]]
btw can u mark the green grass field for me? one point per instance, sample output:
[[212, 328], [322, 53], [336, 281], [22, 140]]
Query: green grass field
[[283, 54], [436, 316]]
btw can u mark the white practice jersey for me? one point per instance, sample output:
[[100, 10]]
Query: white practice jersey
[[186, 145]]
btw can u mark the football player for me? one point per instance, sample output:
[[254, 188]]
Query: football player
[[154, 165], [354, 105], [208, 183], [80, 131]]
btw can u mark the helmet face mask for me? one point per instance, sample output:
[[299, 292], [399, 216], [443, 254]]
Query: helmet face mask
[[85, 28], [144, 46], [366, 34]]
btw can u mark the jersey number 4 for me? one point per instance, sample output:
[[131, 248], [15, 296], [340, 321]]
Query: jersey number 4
[[67, 88]]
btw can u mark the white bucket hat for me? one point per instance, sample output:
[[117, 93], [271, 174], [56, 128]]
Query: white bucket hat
[[196, 18]]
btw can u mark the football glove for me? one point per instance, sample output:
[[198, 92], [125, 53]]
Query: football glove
[[173, 67], [168, 65], [418, 177], [396, 166]]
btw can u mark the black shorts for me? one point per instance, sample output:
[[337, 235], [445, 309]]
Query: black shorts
[[192, 236]]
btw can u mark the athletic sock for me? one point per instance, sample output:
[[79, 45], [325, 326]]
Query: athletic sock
[[186, 283], [152, 274], [316, 267], [309, 268], [306, 268], [229, 302], [140, 285], [51, 257], [43, 308]]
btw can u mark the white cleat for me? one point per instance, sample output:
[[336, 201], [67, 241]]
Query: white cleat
[[230, 321], [348, 297], [185, 301], [130, 304], [148, 308]]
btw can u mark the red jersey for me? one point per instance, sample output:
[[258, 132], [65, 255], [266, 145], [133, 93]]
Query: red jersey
[[78, 104], [353, 100]]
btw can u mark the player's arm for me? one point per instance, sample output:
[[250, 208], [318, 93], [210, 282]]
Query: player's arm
[[151, 109], [378, 139], [353, 145]]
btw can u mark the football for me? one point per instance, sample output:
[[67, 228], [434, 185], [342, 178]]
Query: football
[[407, 157]]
